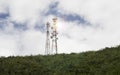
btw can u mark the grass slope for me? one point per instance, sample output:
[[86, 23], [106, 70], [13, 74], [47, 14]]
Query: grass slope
[[103, 62]]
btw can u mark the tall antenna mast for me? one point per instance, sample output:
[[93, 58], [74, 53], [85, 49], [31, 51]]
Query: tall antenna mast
[[47, 47], [54, 36]]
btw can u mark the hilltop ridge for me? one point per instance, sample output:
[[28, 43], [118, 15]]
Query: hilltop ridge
[[102, 62]]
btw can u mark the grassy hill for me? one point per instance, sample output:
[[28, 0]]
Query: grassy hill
[[103, 62]]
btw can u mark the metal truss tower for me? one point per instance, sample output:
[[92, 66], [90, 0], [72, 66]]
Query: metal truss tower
[[47, 46], [54, 36]]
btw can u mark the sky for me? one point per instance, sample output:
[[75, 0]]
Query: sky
[[83, 25]]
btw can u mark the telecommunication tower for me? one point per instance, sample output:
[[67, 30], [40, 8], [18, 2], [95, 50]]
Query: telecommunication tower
[[54, 36], [47, 48], [51, 34]]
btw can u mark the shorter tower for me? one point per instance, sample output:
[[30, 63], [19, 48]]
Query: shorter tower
[[47, 46]]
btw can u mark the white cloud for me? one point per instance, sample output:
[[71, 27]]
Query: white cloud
[[31, 42], [25, 12], [8, 45], [3, 6], [29, 11], [104, 30], [104, 17]]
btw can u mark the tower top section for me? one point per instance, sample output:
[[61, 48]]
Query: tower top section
[[54, 24], [54, 19]]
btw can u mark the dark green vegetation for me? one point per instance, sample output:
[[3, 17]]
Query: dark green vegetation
[[103, 62]]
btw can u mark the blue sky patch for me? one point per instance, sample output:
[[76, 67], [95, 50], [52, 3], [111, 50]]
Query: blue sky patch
[[67, 17], [40, 28], [3, 24], [20, 26], [4, 15]]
